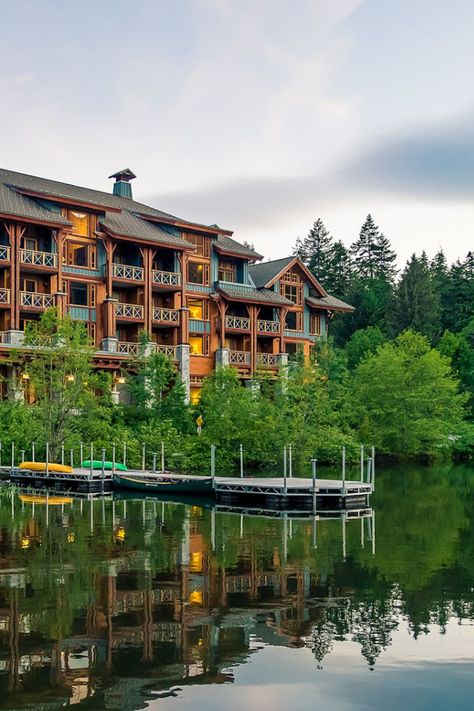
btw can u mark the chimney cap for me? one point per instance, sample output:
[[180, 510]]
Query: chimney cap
[[125, 175]]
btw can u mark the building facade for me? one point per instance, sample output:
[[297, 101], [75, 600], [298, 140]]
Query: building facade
[[124, 268]]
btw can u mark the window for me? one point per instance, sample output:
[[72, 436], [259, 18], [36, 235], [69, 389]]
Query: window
[[195, 396], [201, 243], [315, 325], [294, 321], [30, 243], [293, 292], [226, 271], [198, 345], [80, 222], [78, 294], [29, 285], [81, 254], [198, 309], [198, 273]]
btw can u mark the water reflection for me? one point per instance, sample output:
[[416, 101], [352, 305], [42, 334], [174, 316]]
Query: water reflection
[[111, 603]]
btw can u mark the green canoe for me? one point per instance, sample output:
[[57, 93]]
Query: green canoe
[[163, 485], [108, 466]]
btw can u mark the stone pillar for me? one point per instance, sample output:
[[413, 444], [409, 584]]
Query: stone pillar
[[282, 359], [282, 363], [182, 356], [222, 357], [14, 337], [14, 390], [253, 385], [110, 344]]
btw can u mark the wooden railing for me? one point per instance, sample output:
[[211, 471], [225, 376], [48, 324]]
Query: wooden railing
[[241, 323], [165, 315], [169, 351], [127, 271], [266, 360], [133, 311], [166, 278], [4, 254], [268, 326], [239, 358], [132, 349], [4, 296], [34, 300], [38, 259]]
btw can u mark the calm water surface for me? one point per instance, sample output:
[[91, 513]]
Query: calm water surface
[[137, 604]]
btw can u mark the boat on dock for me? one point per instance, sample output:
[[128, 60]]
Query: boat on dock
[[163, 484]]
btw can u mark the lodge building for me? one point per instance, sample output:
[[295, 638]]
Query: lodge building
[[124, 268]]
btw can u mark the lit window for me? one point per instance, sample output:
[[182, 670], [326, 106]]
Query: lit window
[[198, 273], [196, 308], [197, 345], [80, 254], [80, 222]]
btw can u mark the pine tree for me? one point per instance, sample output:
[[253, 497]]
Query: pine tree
[[315, 250], [338, 271], [415, 304], [372, 254]]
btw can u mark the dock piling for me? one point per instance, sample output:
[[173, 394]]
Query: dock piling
[[162, 457], [92, 457], [22, 455], [125, 454], [213, 462], [13, 454], [71, 458], [285, 488], [154, 462], [113, 458], [62, 453], [343, 490], [143, 457], [290, 460], [241, 450], [81, 453], [47, 458], [362, 463], [32, 451], [313, 473]]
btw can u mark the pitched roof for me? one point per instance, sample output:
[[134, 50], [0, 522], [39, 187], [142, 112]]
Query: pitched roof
[[227, 244], [262, 274], [329, 302], [263, 296], [18, 205], [127, 224]]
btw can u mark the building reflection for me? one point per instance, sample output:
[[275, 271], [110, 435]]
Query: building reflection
[[127, 600]]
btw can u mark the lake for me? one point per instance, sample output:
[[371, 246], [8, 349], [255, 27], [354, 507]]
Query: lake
[[130, 604]]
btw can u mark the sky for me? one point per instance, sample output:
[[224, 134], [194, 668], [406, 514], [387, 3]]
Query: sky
[[258, 115]]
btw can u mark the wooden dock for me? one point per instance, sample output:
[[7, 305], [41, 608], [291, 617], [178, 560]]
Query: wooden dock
[[79, 481]]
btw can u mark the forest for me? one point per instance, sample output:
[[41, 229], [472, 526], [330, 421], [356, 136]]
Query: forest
[[398, 374]]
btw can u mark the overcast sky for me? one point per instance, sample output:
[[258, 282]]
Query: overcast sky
[[260, 115]]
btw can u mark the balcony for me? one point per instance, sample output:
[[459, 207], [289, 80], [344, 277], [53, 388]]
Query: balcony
[[160, 278], [239, 358], [4, 254], [128, 272], [268, 326], [266, 360], [129, 348], [34, 300], [132, 312], [237, 323], [166, 316], [135, 349], [4, 297], [169, 351], [33, 258]]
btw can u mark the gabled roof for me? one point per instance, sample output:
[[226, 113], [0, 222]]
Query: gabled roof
[[259, 296], [265, 274], [125, 224], [227, 245], [18, 205], [329, 302]]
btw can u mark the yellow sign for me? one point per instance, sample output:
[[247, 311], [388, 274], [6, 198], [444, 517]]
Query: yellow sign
[[199, 421]]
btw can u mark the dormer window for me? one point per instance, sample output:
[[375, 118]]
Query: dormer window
[[226, 271], [80, 222]]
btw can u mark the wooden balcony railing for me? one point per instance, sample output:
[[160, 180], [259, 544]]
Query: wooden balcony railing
[[38, 259], [266, 360], [4, 254], [129, 348], [166, 278], [4, 296], [166, 315], [268, 326], [34, 300], [169, 351], [131, 311], [242, 323], [127, 271], [239, 358]]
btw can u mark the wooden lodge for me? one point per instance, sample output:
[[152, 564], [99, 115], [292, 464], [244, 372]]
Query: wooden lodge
[[123, 268]]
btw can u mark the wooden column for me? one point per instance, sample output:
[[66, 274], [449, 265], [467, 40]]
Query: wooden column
[[60, 238], [183, 322], [283, 313], [253, 339], [109, 331], [222, 306]]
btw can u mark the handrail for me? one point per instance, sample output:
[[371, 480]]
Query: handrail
[[129, 310], [239, 357], [38, 259], [4, 296], [266, 360], [4, 253], [162, 349], [127, 271], [264, 326], [36, 300], [165, 315], [166, 278], [240, 322]]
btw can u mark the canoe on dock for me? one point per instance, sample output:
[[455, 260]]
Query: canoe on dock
[[97, 464], [162, 485], [43, 467]]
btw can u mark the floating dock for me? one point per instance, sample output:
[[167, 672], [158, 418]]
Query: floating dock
[[79, 481]]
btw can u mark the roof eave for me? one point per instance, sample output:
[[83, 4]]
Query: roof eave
[[311, 277], [64, 200], [35, 220], [232, 253], [143, 240]]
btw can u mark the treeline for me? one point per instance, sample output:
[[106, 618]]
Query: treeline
[[429, 297], [401, 395]]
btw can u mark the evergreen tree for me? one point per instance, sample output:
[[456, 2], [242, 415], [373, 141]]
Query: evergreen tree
[[459, 299], [372, 253], [415, 304], [339, 274], [315, 250]]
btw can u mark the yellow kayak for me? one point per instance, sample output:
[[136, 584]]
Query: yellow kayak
[[41, 467], [51, 500]]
